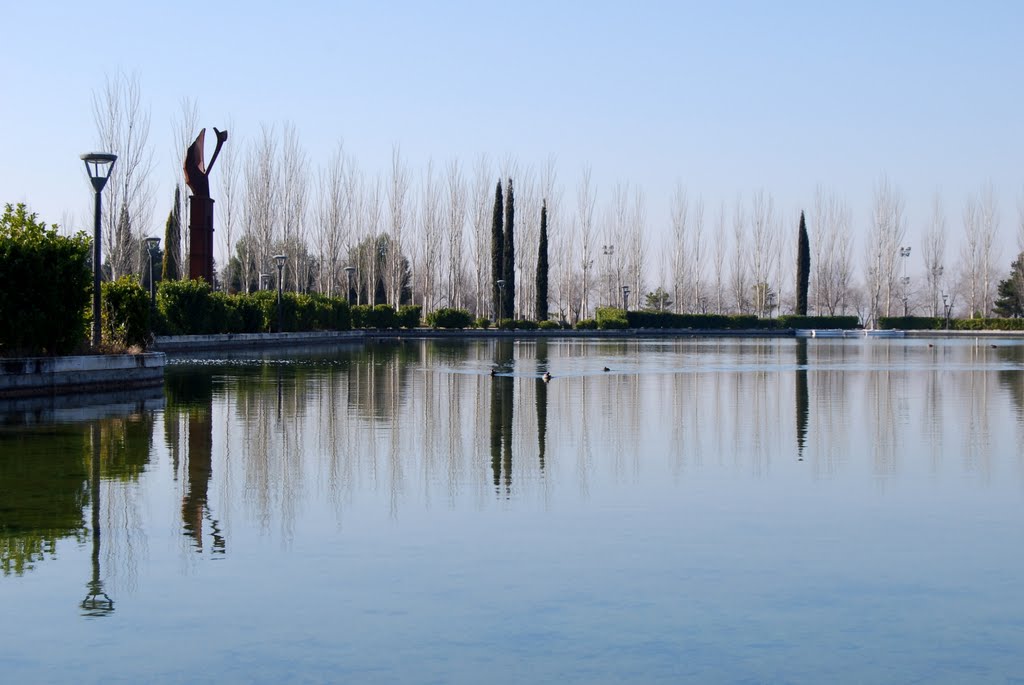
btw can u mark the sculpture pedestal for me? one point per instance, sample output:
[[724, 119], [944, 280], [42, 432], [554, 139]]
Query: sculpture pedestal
[[200, 241]]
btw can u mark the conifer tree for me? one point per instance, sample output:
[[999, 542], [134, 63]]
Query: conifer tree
[[542, 265], [497, 250], [172, 241], [803, 268], [509, 254]]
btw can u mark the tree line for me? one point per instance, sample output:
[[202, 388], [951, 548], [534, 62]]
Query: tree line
[[444, 236]]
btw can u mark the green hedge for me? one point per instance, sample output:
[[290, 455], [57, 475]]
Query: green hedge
[[937, 323], [192, 308], [586, 325], [548, 325], [125, 312], [450, 318], [842, 322], [45, 286], [409, 315], [612, 318], [739, 322]]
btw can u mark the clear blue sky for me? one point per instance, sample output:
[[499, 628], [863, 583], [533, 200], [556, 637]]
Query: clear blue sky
[[729, 97]]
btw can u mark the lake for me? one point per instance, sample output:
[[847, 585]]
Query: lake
[[709, 510]]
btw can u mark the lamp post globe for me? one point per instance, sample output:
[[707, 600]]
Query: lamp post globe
[[98, 165]]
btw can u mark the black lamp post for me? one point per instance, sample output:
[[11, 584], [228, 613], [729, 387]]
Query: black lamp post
[[152, 247], [945, 308], [280, 259], [501, 301], [99, 165], [349, 270]]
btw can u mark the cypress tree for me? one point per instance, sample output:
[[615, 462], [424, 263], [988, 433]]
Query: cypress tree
[[497, 251], [803, 268], [172, 240], [542, 265], [509, 248]]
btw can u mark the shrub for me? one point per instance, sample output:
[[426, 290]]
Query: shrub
[[483, 323], [380, 317], [125, 312], [506, 324], [46, 286], [526, 325], [360, 315], [842, 322], [612, 318], [185, 307], [449, 318], [409, 315], [911, 323], [586, 325], [548, 325]]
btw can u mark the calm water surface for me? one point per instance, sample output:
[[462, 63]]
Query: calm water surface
[[721, 510]]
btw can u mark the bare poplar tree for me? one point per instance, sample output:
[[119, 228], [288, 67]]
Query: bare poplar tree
[[935, 252], [432, 238], [454, 226], [763, 241], [333, 206], [260, 209], [585, 201], [294, 170], [637, 245], [720, 247], [696, 260], [551, 193], [398, 191], [740, 263], [989, 226], [227, 204], [885, 239], [481, 218], [122, 126], [678, 211], [832, 247]]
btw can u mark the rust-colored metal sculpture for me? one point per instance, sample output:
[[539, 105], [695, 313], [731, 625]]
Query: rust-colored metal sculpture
[[200, 214]]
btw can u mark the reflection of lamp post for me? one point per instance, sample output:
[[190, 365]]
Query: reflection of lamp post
[[349, 270], [280, 259], [501, 300], [152, 245], [904, 254], [99, 165], [625, 297], [96, 602]]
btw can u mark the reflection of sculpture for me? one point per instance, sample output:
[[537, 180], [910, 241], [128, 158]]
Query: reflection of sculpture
[[200, 217], [802, 404]]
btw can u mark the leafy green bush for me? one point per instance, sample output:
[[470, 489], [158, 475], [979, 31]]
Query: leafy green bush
[[409, 315], [987, 324], [611, 318], [548, 325], [842, 322], [506, 324], [526, 325], [360, 315], [45, 286], [381, 317], [586, 325], [185, 307], [483, 323], [125, 309], [449, 318], [911, 323]]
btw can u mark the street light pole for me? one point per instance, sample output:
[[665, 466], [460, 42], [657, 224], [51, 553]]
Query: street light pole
[[945, 308], [904, 254], [501, 300], [609, 251], [349, 270], [280, 259], [98, 165], [625, 297], [152, 246]]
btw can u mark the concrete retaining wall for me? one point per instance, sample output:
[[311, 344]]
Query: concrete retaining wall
[[28, 376]]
